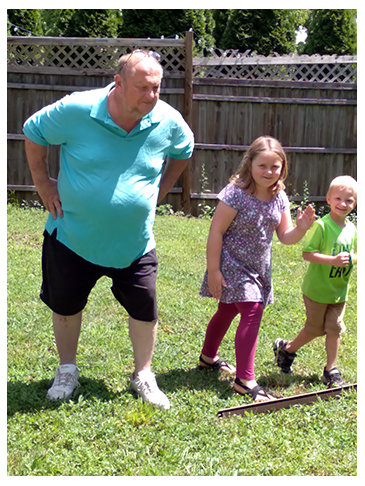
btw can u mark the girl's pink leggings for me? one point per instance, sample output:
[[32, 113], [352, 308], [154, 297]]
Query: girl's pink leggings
[[246, 335]]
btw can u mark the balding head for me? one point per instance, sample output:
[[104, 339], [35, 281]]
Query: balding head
[[136, 90], [128, 62]]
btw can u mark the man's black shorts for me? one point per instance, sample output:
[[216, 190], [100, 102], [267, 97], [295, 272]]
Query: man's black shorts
[[68, 280]]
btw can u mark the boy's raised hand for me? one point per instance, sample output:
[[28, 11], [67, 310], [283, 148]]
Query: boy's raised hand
[[305, 218]]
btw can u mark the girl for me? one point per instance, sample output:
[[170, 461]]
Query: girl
[[238, 274]]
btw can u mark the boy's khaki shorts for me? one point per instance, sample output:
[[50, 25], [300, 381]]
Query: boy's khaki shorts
[[324, 318]]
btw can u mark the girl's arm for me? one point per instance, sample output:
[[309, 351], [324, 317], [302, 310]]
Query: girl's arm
[[223, 217], [289, 235]]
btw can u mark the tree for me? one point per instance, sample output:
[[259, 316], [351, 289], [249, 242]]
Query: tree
[[81, 22], [331, 32], [55, 21], [221, 17], [168, 23], [65, 22], [94, 23], [264, 31], [24, 22]]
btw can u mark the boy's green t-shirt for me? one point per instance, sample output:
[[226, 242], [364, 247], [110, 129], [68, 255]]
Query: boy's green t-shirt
[[325, 283]]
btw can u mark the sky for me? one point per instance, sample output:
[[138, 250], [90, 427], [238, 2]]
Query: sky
[[301, 35]]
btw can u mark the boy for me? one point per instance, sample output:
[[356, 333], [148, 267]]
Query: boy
[[329, 249]]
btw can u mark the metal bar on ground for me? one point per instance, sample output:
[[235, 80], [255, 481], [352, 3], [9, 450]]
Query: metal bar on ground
[[273, 405]]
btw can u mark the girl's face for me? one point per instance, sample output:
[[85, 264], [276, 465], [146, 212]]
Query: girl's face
[[266, 169]]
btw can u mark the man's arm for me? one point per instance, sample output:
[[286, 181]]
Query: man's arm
[[172, 171], [46, 186]]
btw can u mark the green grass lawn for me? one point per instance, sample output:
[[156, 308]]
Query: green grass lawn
[[104, 430]]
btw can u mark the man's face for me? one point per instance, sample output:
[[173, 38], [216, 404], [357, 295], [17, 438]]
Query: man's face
[[141, 89]]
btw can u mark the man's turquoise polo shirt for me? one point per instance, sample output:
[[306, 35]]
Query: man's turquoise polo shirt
[[109, 179]]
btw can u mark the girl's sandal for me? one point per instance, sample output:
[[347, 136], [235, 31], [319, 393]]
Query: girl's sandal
[[217, 365], [257, 393]]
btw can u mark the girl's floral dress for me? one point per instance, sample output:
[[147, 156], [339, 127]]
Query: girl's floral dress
[[246, 250]]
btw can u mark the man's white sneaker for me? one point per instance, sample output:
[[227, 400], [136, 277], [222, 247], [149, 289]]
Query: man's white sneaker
[[65, 382], [145, 385]]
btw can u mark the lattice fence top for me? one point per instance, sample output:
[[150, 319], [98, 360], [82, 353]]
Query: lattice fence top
[[250, 65], [46, 54], [88, 54]]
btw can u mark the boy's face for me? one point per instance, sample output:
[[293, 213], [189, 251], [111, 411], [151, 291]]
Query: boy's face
[[342, 201]]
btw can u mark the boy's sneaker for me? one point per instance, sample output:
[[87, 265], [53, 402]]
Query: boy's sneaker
[[332, 378], [65, 382], [145, 385], [283, 359]]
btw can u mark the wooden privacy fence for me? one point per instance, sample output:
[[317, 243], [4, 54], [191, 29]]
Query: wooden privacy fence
[[228, 99]]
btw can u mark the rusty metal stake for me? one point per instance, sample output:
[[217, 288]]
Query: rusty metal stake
[[304, 399]]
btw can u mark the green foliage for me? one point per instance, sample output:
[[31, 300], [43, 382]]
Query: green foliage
[[260, 30], [55, 22], [104, 430], [221, 17], [263, 31], [164, 209], [93, 23], [81, 22], [168, 23], [204, 209], [306, 194], [25, 22], [65, 22], [332, 31]]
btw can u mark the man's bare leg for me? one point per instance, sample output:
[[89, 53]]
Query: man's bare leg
[[67, 331], [143, 337]]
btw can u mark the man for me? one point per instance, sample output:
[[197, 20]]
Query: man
[[113, 141]]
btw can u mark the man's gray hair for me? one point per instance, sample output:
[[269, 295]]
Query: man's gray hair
[[125, 68]]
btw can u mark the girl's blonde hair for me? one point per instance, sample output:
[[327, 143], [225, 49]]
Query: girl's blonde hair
[[243, 176]]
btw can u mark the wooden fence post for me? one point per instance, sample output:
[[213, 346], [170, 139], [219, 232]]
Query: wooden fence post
[[188, 105]]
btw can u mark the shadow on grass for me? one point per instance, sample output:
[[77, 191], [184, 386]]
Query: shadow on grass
[[29, 397], [196, 379], [222, 383], [278, 378], [299, 383]]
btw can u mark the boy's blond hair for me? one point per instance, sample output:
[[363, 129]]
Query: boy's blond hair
[[344, 181]]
